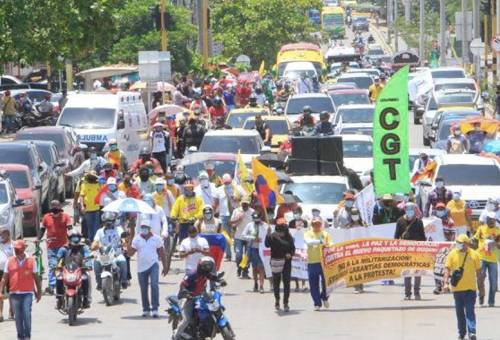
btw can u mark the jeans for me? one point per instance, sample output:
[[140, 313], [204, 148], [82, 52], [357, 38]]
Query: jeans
[[315, 273], [416, 287], [92, 220], [225, 224], [147, 277], [492, 269], [10, 122], [187, 317], [285, 275], [52, 260], [21, 305], [120, 261], [464, 307], [240, 248], [162, 159]]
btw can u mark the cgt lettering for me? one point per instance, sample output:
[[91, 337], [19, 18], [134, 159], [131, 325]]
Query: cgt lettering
[[390, 143]]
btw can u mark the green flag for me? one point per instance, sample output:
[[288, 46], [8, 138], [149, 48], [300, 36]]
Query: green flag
[[391, 168]]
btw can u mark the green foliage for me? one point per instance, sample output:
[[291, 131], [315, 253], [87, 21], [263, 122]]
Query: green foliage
[[258, 28]]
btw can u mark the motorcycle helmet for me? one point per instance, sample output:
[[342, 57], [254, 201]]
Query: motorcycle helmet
[[206, 266], [217, 101], [108, 216], [74, 238], [252, 99], [145, 154], [307, 110]]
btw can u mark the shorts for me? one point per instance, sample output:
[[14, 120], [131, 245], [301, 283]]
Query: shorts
[[254, 257]]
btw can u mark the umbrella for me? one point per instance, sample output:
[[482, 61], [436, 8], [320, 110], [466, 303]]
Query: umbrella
[[493, 146], [129, 205], [490, 126], [165, 87]]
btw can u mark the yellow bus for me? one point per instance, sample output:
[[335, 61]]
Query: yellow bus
[[350, 3], [300, 52], [332, 22]]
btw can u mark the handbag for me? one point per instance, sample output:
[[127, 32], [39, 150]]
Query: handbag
[[277, 265], [457, 274]]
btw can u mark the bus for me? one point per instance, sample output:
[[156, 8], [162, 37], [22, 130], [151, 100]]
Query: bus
[[300, 52], [332, 22]]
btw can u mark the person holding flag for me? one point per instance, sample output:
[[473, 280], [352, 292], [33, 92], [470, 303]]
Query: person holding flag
[[266, 186]]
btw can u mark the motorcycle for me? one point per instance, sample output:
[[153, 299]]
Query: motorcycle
[[110, 276], [208, 319], [72, 275]]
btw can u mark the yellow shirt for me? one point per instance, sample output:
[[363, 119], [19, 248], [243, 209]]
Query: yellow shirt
[[174, 190], [89, 192], [488, 241], [187, 208], [374, 91], [457, 212], [455, 260], [313, 247]]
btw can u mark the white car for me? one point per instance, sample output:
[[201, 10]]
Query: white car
[[317, 101], [354, 119], [11, 214], [358, 152], [320, 192], [247, 142], [478, 178], [447, 72], [297, 69]]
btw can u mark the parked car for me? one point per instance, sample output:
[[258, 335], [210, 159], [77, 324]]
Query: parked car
[[317, 101], [11, 214], [67, 146], [26, 153], [57, 169], [20, 177]]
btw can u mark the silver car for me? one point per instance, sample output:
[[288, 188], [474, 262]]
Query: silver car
[[11, 214]]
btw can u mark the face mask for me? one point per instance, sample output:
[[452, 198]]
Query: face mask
[[159, 188], [144, 231], [144, 177], [297, 216], [355, 218], [460, 246], [349, 204], [440, 213], [55, 211], [93, 156], [205, 183], [456, 197], [208, 216], [170, 181], [457, 133], [439, 185], [74, 240], [112, 187], [410, 213], [113, 147]]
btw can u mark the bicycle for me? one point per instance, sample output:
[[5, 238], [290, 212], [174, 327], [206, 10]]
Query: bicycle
[[38, 259]]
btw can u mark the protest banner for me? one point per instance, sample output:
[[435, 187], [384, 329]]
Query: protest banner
[[365, 260], [390, 137]]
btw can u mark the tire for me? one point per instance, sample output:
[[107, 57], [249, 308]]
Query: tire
[[107, 291], [116, 290], [227, 333], [170, 253], [72, 310]]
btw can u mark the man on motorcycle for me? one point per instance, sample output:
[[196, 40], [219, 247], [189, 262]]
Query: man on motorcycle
[[144, 157], [307, 120], [324, 127], [192, 285], [78, 252], [193, 133], [116, 157], [110, 235], [45, 107]]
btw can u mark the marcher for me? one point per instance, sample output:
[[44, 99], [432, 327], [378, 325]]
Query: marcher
[[457, 143], [89, 192], [409, 227], [6, 251], [254, 233], [158, 220], [160, 140], [282, 250], [9, 112], [186, 210], [375, 89], [386, 211], [205, 189], [448, 224], [56, 223], [488, 238], [192, 249], [20, 275], [465, 260], [240, 218], [149, 248], [439, 194], [315, 238], [458, 210]]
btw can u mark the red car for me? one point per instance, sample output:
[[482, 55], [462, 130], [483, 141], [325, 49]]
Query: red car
[[20, 176]]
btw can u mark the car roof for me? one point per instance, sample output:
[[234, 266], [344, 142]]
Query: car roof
[[356, 137], [21, 144], [282, 118], [319, 179], [430, 152], [446, 159], [309, 95], [233, 132], [247, 110], [348, 91], [14, 167], [355, 75], [43, 129], [440, 81], [357, 106]]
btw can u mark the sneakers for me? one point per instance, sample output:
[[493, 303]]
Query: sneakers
[[277, 305], [146, 314], [326, 304], [286, 308], [418, 297], [481, 301], [255, 287], [317, 308], [472, 336], [155, 314]]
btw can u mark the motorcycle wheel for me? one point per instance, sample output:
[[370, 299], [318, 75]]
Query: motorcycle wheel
[[107, 291], [117, 290], [169, 242], [227, 333], [72, 310]]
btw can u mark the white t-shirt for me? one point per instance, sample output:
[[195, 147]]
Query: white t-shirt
[[246, 218], [147, 251], [189, 244], [158, 221], [222, 195], [109, 236], [159, 139], [112, 196], [6, 251]]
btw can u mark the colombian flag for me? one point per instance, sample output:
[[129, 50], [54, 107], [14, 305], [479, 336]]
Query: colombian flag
[[217, 247], [266, 184]]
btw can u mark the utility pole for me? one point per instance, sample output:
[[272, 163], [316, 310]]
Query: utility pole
[[389, 20], [442, 28], [421, 43], [477, 34], [465, 50], [164, 36], [407, 11], [396, 38], [204, 9]]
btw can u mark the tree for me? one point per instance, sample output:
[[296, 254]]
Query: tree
[[258, 28]]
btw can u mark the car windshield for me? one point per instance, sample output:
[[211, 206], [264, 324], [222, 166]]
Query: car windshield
[[317, 104], [460, 174], [357, 148], [278, 127], [350, 98], [360, 20], [19, 179], [361, 82], [45, 153], [298, 74], [87, 118], [4, 198], [16, 156], [375, 51], [448, 74], [317, 193], [37, 96], [221, 168], [360, 115], [56, 138], [230, 144], [454, 86], [236, 120], [456, 98], [333, 19]]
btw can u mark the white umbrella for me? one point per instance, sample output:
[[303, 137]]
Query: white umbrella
[[129, 205]]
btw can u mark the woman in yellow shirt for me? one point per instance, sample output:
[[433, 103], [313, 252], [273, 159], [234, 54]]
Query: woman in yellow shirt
[[458, 211], [89, 191]]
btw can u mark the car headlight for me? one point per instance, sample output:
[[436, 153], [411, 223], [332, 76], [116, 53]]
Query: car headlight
[[213, 306]]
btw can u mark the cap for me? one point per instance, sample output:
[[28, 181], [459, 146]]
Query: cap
[[158, 124], [112, 141], [462, 238], [387, 197], [348, 196], [111, 180], [160, 181], [203, 175], [246, 200], [226, 179], [19, 244]]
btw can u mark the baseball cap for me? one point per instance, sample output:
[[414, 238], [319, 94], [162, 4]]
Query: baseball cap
[[462, 238], [19, 244]]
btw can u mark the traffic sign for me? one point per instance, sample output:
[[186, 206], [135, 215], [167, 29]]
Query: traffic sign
[[477, 47], [243, 59]]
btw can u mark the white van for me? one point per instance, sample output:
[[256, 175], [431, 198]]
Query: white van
[[295, 70], [97, 117]]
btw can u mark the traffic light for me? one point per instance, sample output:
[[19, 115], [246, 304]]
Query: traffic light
[[154, 11]]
